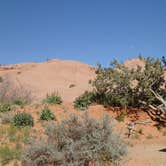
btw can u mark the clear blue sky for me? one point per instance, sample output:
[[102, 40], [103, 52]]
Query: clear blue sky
[[90, 31]]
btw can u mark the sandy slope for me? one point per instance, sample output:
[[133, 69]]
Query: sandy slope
[[147, 155], [52, 76]]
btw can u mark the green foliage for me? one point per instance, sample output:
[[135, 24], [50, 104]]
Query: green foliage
[[121, 117], [53, 99], [112, 85], [124, 87], [5, 107], [1, 79], [7, 154], [40, 154], [23, 119], [152, 77], [12, 133], [76, 141], [164, 61], [20, 102], [82, 102], [46, 114], [12, 139]]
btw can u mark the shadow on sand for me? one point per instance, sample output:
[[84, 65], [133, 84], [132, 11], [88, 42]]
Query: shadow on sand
[[162, 150]]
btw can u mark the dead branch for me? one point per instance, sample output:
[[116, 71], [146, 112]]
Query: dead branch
[[131, 126]]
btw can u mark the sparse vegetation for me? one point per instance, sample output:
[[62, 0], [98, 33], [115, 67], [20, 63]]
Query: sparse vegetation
[[1, 79], [121, 86], [81, 141], [5, 107], [149, 136], [82, 102], [20, 102], [10, 150], [12, 94], [140, 87], [121, 117], [23, 119], [54, 98], [77, 141], [6, 118], [46, 114], [164, 133], [7, 154]]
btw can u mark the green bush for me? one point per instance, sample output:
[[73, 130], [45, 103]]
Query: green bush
[[121, 117], [23, 119], [41, 154], [121, 86], [7, 154], [20, 102], [1, 79], [5, 107], [53, 99], [46, 114], [76, 141], [82, 102]]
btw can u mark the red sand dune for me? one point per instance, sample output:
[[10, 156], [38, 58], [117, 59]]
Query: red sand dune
[[52, 76]]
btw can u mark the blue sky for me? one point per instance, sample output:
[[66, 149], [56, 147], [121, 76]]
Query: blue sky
[[89, 31]]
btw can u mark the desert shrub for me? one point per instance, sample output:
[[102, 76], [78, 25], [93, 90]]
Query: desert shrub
[[1, 79], [120, 86], [18, 135], [7, 154], [112, 85], [20, 102], [6, 118], [46, 114], [16, 163], [121, 117], [163, 59], [5, 107], [151, 78], [41, 154], [82, 102], [77, 141], [53, 99], [23, 119]]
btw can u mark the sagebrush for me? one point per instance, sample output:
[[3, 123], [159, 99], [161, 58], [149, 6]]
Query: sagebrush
[[76, 141], [53, 98], [46, 114]]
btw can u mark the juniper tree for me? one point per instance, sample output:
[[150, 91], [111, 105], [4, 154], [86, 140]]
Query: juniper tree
[[144, 86]]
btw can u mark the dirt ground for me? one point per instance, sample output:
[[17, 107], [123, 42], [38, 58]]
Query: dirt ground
[[146, 155], [146, 147]]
